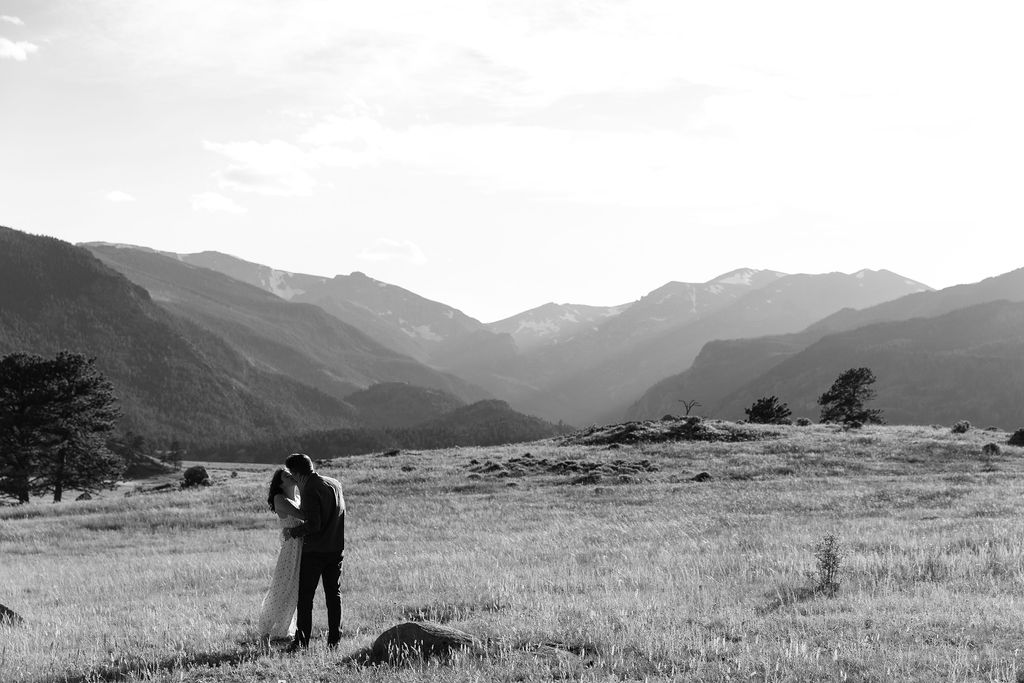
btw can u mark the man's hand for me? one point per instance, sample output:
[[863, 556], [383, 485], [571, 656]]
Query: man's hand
[[286, 534]]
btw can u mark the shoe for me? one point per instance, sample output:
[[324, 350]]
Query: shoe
[[295, 646], [332, 642]]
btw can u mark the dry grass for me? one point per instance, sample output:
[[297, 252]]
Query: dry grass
[[646, 575]]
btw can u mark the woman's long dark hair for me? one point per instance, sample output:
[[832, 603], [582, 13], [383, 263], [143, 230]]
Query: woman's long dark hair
[[275, 486]]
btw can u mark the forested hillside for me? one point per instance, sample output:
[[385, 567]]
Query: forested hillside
[[962, 365], [485, 423], [173, 379]]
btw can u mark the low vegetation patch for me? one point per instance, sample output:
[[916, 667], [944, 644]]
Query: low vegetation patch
[[527, 464], [660, 431]]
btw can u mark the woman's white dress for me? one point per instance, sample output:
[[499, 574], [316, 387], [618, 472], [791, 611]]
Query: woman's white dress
[[277, 614]]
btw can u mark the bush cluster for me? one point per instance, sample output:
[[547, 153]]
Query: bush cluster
[[961, 427]]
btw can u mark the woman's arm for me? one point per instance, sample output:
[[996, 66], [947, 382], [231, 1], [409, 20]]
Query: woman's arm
[[285, 506]]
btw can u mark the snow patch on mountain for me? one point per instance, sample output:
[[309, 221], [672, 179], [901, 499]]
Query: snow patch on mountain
[[277, 283], [421, 332], [540, 328], [738, 277]]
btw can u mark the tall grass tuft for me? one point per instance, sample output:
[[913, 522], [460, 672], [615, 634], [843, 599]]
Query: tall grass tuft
[[829, 556]]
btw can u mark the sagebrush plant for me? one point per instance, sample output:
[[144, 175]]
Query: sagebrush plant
[[961, 427], [1017, 439], [829, 556]]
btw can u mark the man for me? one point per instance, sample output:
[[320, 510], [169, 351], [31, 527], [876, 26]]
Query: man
[[323, 546]]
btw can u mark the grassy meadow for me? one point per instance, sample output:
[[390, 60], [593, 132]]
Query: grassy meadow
[[638, 574]]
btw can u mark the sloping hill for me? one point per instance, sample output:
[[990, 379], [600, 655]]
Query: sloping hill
[[485, 423], [278, 282], [721, 367], [394, 317], [1008, 286], [962, 365], [173, 379], [604, 391], [553, 323], [712, 378], [295, 339], [394, 404]]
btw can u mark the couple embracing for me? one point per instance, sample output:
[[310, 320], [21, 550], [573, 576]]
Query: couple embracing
[[311, 511]]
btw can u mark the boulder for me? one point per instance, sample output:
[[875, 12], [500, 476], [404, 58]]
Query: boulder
[[1017, 438], [84, 496], [703, 476], [9, 617], [418, 640], [195, 476]]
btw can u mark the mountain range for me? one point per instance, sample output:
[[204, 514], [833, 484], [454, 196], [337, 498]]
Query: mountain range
[[210, 348], [174, 379], [287, 337], [567, 363], [915, 344]]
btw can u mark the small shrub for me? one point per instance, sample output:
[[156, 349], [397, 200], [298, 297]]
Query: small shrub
[[961, 427], [667, 417], [768, 410], [853, 424], [803, 422], [1017, 439], [991, 449], [829, 556]]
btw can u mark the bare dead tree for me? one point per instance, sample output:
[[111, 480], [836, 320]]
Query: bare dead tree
[[689, 405]]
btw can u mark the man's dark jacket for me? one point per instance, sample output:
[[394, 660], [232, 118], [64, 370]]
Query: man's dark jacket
[[324, 506]]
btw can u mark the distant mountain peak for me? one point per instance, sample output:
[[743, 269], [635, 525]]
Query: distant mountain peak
[[746, 277], [740, 276]]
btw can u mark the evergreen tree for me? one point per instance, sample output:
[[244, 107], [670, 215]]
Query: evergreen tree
[[54, 415], [768, 410], [23, 403], [844, 401]]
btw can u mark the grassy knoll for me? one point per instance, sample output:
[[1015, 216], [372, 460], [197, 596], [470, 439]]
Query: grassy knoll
[[644, 573]]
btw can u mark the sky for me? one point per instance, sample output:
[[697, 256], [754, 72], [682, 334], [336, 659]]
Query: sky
[[496, 155]]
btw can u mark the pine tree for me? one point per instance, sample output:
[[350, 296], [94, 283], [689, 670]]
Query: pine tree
[[844, 401], [54, 415], [768, 410]]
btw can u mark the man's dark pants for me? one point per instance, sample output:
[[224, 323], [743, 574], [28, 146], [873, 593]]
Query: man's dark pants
[[313, 567]]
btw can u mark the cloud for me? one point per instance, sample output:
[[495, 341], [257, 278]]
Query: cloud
[[272, 168], [18, 51], [384, 249], [212, 201], [119, 197], [11, 20]]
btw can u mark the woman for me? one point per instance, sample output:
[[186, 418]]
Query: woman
[[277, 614]]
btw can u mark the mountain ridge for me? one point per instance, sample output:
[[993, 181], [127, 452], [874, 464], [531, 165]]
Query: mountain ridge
[[762, 353]]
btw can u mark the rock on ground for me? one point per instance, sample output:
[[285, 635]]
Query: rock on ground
[[418, 640], [9, 616]]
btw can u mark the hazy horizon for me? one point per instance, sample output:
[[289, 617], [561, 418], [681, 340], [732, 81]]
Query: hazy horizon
[[496, 156]]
